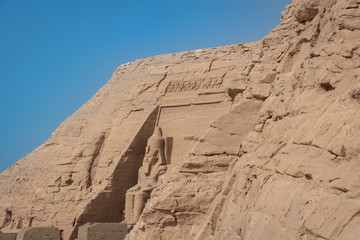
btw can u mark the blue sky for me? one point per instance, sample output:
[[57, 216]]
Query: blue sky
[[55, 55]]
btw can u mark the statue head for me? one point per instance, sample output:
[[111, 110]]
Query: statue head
[[156, 141]]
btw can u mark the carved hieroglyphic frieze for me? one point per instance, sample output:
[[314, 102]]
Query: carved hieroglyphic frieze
[[176, 87]]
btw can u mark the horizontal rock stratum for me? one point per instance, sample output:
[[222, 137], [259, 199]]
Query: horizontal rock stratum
[[264, 139]]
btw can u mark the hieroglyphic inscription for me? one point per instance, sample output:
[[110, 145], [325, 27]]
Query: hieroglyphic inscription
[[176, 87]]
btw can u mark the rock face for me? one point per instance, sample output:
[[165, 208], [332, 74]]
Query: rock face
[[264, 140]]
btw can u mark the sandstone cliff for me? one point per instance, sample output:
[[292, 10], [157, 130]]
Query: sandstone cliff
[[265, 140]]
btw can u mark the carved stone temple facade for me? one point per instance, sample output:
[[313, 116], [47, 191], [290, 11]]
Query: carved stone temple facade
[[204, 144]]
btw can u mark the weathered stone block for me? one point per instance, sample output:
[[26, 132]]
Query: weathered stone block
[[8, 236], [307, 10], [102, 231], [39, 233]]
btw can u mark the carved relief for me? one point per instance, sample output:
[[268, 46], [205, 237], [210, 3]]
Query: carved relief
[[154, 165], [177, 87]]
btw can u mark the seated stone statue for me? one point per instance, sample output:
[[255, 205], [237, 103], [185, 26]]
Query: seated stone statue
[[153, 165]]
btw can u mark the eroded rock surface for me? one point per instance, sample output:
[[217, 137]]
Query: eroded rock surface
[[265, 140]]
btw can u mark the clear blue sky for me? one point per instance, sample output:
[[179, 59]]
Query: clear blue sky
[[55, 55]]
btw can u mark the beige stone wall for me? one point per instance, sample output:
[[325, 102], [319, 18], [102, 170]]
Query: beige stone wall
[[102, 231], [39, 233], [8, 236], [186, 125]]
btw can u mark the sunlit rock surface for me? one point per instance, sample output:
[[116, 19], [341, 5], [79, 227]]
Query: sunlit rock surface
[[265, 140]]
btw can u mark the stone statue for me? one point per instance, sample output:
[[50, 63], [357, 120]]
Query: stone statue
[[153, 165]]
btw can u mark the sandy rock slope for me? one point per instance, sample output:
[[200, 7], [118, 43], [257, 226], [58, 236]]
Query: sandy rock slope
[[267, 148]]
